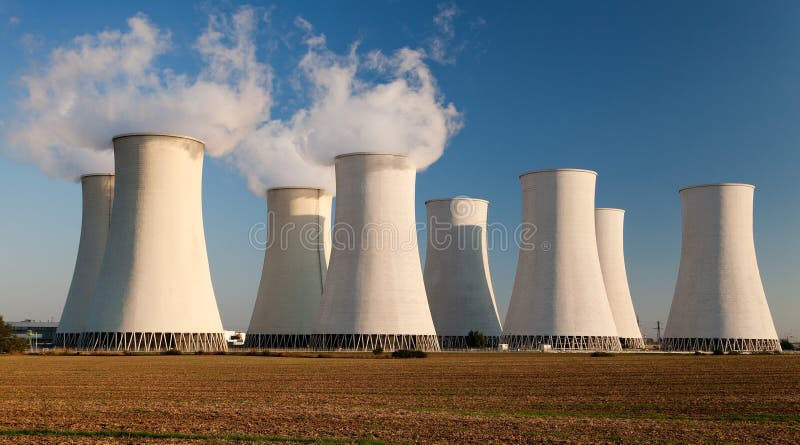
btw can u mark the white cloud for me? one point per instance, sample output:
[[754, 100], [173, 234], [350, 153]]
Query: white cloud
[[30, 42], [398, 110], [440, 45], [14, 20], [107, 83]]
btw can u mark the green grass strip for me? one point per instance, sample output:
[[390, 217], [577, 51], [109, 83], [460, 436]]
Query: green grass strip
[[181, 436]]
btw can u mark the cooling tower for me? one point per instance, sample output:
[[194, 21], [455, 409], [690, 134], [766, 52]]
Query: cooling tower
[[719, 301], [295, 263], [608, 226], [98, 194], [154, 291], [374, 293], [559, 298], [457, 277]]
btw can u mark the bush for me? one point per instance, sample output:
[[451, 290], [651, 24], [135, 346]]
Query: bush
[[786, 345], [601, 354], [476, 339], [698, 353], [8, 341], [377, 351], [172, 351], [407, 353], [719, 352]]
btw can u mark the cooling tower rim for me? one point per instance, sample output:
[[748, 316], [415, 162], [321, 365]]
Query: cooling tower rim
[[376, 153], [458, 198], [609, 209], [298, 187], [89, 175], [720, 184], [551, 170], [147, 133]]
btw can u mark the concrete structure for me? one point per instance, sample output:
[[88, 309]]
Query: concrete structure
[[559, 297], [374, 292], [610, 247], [154, 291], [457, 277], [295, 263], [719, 301], [98, 195]]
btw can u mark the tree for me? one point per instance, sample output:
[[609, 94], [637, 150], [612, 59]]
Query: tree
[[8, 341], [476, 339]]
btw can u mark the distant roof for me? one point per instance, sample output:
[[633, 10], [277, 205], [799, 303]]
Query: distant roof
[[33, 324]]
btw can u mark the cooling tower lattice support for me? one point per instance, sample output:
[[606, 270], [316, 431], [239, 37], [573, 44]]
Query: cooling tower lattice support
[[457, 277], [609, 228], [367, 342], [719, 301], [155, 290], [374, 293], [153, 341], [559, 296], [98, 195], [277, 341], [295, 263]]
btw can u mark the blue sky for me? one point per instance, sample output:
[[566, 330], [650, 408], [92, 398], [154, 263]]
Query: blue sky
[[652, 95]]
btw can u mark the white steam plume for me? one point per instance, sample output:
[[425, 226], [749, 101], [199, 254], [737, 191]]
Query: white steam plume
[[398, 110], [105, 84]]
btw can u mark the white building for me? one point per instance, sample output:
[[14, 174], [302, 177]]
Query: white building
[[154, 291], [457, 277], [98, 194], [559, 297], [610, 246], [374, 293], [719, 301], [295, 263]]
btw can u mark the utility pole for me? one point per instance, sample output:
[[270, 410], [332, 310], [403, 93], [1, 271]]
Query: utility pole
[[658, 331]]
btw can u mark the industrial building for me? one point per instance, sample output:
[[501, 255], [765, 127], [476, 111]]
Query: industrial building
[[719, 301], [610, 247], [154, 291], [457, 277], [559, 298], [374, 294], [39, 334], [98, 195], [295, 264]]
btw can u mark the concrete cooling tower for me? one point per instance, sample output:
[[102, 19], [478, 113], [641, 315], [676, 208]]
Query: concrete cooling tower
[[559, 298], [154, 291], [374, 293], [719, 301], [608, 226], [295, 263], [98, 194], [457, 277]]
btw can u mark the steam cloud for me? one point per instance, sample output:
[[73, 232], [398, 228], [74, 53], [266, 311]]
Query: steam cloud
[[400, 112], [106, 84]]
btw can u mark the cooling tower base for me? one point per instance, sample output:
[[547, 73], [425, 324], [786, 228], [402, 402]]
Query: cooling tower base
[[370, 342], [720, 344], [153, 341], [632, 342], [460, 341], [277, 341], [67, 339], [562, 342]]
